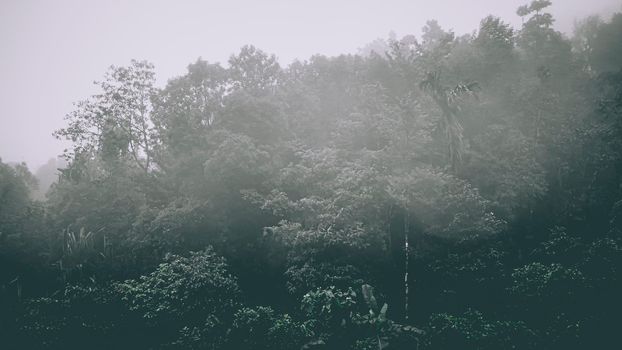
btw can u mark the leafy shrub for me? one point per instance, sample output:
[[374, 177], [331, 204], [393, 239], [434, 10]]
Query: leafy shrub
[[344, 319], [541, 282], [312, 275], [78, 316], [260, 328], [183, 291], [211, 335], [472, 331]]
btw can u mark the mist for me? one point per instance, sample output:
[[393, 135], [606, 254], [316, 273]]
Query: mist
[[53, 51], [310, 175]]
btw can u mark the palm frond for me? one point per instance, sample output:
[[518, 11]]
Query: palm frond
[[449, 100], [462, 91]]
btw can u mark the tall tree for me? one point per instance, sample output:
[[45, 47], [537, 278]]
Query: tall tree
[[116, 123], [448, 100]]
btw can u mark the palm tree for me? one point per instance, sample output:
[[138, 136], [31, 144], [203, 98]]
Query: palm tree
[[448, 100]]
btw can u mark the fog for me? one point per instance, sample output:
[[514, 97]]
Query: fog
[[51, 51], [297, 175]]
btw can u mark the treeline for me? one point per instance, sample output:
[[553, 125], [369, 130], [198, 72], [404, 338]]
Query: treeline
[[442, 192]]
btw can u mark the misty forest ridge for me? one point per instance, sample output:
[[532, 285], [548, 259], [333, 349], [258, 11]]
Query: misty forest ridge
[[432, 192]]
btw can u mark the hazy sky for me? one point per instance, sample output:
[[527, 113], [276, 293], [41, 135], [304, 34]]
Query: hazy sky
[[52, 50]]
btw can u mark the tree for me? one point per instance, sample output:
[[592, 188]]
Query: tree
[[494, 48], [187, 108], [448, 100], [254, 70], [184, 115], [14, 197], [603, 47], [545, 48], [116, 123]]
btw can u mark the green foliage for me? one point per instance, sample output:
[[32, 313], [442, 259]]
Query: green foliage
[[13, 199], [543, 283], [311, 179], [601, 262], [209, 335], [260, 328], [254, 70], [183, 291], [343, 318], [116, 123], [302, 277], [331, 307], [250, 329], [79, 315], [446, 205], [472, 330]]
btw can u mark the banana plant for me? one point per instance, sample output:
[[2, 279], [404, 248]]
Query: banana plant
[[376, 317]]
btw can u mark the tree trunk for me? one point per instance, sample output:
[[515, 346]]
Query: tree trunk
[[406, 264]]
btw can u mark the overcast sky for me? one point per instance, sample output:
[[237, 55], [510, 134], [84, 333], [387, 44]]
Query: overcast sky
[[52, 50]]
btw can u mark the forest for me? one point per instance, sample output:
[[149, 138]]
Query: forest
[[438, 192]]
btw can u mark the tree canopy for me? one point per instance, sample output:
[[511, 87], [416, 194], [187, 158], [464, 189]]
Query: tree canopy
[[439, 192]]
